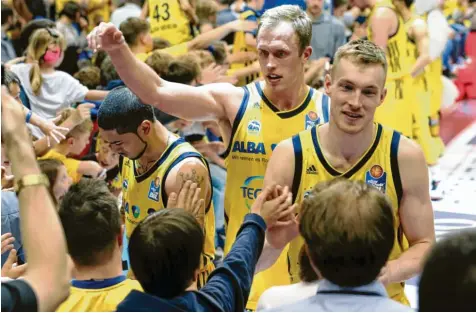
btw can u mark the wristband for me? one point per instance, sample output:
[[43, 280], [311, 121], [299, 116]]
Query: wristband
[[28, 116], [31, 180]]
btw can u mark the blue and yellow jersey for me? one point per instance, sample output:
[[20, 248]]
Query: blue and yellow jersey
[[239, 45], [378, 167], [98, 295], [145, 194], [169, 22], [258, 127]]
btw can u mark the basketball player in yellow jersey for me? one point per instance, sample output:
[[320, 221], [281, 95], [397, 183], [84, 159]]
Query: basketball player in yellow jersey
[[246, 41], [418, 52], [172, 20], [252, 119], [353, 146], [154, 164]]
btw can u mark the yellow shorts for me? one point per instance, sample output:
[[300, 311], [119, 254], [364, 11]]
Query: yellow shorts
[[396, 110]]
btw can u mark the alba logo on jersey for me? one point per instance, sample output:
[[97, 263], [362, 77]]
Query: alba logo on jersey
[[249, 147], [135, 211], [250, 189], [154, 189], [376, 177], [254, 127]]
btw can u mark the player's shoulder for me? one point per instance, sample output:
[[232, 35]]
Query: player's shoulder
[[409, 152]]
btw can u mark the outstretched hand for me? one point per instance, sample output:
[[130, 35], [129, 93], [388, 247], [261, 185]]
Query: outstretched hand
[[189, 199], [106, 37]]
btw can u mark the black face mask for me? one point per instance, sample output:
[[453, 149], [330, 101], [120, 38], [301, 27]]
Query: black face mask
[[143, 150]]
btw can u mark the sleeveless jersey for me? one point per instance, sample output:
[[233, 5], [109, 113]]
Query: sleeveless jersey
[[395, 112], [378, 167], [257, 129], [168, 21], [145, 194], [239, 45], [420, 82]]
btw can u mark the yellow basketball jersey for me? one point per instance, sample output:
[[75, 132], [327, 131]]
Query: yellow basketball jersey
[[98, 296], [145, 194], [395, 112], [168, 21], [378, 167], [420, 82], [239, 45], [257, 129]]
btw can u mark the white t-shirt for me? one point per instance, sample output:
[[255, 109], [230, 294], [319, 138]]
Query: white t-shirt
[[438, 33], [123, 13], [58, 91], [282, 295]]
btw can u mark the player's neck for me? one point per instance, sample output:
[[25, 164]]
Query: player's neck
[[287, 99], [156, 144], [110, 269], [348, 146]]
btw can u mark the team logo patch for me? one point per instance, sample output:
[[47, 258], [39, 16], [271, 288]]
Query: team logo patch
[[377, 178], [150, 211], [135, 211], [154, 189], [125, 184], [311, 120], [254, 127], [126, 208]]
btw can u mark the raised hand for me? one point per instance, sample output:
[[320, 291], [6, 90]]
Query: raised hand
[[274, 205], [106, 37], [189, 200], [10, 270], [7, 242], [50, 129]]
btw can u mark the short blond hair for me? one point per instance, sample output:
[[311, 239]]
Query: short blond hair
[[159, 61], [361, 52], [84, 127]]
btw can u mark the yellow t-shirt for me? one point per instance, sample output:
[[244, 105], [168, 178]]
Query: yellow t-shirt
[[70, 164], [98, 296], [378, 167], [99, 15], [174, 51]]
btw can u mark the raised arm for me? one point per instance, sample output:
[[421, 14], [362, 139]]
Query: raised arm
[[209, 102], [416, 214], [420, 33]]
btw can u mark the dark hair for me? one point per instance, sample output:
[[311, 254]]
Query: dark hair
[[89, 76], [10, 78], [91, 221], [338, 3], [6, 13], [50, 167], [29, 29], [218, 51], [408, 3], [448, 280], [348, 227], [306, 272], [132, 28], [70, 10], [108, 72], [164, 252], [122, 111], [184, 70]]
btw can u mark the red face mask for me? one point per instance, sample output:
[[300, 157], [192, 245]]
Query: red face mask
[[52, 56]]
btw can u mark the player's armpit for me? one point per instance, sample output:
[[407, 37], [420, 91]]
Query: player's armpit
[[383, 24]]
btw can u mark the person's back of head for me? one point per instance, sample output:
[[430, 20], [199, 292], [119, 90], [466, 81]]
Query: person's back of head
[[184, 70], [164, 252], [160, 43], [108, 72], [348, 228], [91, 222], [89, 76], [219, 53], [159, 61], [40, 53], [448, 280], [71, 10], [123, 111], [7, 14], [133, 29], [306, 272], [207, 11]]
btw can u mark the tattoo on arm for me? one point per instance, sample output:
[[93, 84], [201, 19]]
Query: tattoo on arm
[[193, 176]]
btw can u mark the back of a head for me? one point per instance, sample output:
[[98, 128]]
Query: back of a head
[[86, 126], [164, 252], [159, 61], [349, 231], [293, 15], [132, 28], [89, 76], [160, 43], [70, 9], [108, 72], [206, 9], [123, 111], [218, 50], [184, 70], [448, 280], [91, 222], [10, 78], [7, 12]]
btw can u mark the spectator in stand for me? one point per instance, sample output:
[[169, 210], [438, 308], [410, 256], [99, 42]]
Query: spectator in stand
[[126, 9], [8, 22]]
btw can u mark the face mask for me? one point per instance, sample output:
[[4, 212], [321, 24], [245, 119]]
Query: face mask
[[51, 57]]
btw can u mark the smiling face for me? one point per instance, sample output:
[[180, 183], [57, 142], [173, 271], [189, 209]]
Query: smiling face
[[282, 64], [356, 90]]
